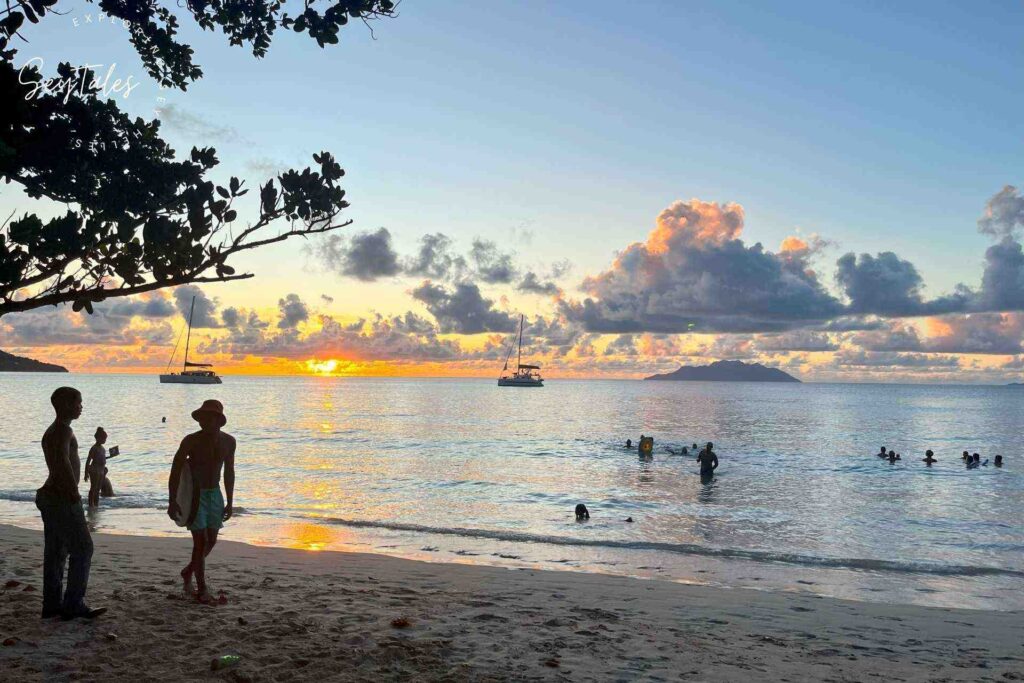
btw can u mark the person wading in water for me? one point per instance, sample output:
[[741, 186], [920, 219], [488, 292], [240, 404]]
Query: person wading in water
[[205, 453]]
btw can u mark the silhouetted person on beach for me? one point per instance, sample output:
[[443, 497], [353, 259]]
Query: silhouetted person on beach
[[205, 453], [66, 537], [708, 461], [929, 458], [96, 467]]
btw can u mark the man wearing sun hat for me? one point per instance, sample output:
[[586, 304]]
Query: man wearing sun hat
[[205, 453]]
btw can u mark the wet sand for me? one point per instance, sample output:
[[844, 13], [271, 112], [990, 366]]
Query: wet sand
[[301, 615]]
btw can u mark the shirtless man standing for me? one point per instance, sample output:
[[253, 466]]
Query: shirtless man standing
[[205, 453], [708, 461], [65, 532]]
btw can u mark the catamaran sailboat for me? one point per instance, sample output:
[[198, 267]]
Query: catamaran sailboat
[[187, 376], [524, 375]]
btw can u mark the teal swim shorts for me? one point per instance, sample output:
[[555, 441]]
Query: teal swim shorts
[[210, 514]]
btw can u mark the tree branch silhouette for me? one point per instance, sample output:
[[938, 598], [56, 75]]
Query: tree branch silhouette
[[137, 218]]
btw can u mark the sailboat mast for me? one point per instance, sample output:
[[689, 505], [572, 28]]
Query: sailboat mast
[[520, 363], [188, 338]]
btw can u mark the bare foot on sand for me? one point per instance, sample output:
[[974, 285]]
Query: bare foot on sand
[[186, 578]]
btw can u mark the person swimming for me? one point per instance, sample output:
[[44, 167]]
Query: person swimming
[[629, 443], [998, 461], [966, 457], [882, 453], [973, 461], [929, 457], [892, 457]]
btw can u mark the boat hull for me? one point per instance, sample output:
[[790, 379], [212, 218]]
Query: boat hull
[[188, 379], [513, 382]]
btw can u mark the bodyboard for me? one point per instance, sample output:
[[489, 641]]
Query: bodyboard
[[186, 502]]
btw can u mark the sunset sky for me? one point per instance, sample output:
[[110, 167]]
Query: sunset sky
[[829, 188]]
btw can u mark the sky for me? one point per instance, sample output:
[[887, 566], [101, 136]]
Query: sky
[[609, 174]]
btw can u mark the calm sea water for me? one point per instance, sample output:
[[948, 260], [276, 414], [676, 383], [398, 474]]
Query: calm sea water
[[464, 471]]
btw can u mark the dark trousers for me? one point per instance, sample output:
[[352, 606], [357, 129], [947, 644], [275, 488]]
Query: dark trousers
[[66, 540]]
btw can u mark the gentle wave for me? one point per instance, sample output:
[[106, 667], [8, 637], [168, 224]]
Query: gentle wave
[[911, 566], [135, 501], [121, 501]]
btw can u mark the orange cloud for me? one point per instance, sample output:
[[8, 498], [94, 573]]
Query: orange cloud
[[793, 243], [695, 222]]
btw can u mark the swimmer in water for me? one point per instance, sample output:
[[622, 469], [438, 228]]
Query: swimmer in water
[[708, 461], [998, 461], [629, 443], [892, 457], [929, 458], [973, 461], [882, 453], [966, 457]]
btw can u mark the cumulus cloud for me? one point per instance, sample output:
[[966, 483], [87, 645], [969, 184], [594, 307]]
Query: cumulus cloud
[[532, 283], [974, 333], [407, 337], [204, 314], [889, 286], [125, 323], [982, 333], [153, 305], [462, 309], [694, 274], [293, 311], [894, 337], [622, 345], [799, 340], [435, 259], [1004, 213], [492, 265], [1002, 285], [365, 256]]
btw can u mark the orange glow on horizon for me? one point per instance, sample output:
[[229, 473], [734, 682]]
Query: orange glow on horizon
[[322, 367]]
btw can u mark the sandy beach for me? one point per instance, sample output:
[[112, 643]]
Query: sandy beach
[[301, 615]]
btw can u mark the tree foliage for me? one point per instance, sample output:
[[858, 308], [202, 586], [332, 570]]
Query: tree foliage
[[138, 218]]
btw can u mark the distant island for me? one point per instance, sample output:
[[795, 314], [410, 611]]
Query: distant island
[[11, 363], [726, 371]]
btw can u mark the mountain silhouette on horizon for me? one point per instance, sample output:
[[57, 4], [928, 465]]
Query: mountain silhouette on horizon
[[11, 363], [726, 371]]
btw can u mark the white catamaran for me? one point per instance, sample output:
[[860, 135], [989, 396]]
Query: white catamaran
[[187, 376], [524, 375]]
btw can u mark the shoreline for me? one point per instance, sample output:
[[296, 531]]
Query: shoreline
[[299, 614], [923, 583]]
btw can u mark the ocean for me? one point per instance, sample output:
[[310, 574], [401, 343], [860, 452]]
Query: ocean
[[460, 470]]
